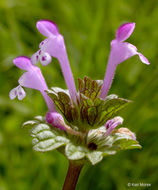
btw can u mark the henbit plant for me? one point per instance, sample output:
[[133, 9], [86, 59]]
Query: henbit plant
[[79, 124]]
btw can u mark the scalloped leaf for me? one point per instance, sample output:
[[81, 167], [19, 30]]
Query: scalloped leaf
[[43, 135], [29, 123], [109, 108], [47, 145], [109, 152], [39, 128], [124, 141], [111, 96], [39, 118], [89, 88], [74, 152], [45, 139], [95, 157], [62, 101]]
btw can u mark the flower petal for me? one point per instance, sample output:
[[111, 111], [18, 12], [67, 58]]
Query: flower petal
[[17, 91], [56, 120], [45, 59], [13, 93], [126, 131], [35, 58], [33, 79], [143, 59], [42, 43], [55, 47], [124, 31], [47, 28], [23, 63], [112, 124], [121, 51], [21, 93]]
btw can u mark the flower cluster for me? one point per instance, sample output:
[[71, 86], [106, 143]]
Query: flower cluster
[[83, 121]]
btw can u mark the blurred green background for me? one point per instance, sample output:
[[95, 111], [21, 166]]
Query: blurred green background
[[88, 27]]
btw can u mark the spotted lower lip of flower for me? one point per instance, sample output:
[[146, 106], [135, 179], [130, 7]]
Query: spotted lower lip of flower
[[112, 124], [17, 92], [33, 78], [120, 51], [41, 56], [54, 46]]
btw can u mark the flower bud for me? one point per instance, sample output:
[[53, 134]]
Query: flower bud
[[56, 120], [126, 131]]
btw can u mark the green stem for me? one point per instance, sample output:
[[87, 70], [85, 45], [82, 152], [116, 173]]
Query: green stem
[[72, 175]]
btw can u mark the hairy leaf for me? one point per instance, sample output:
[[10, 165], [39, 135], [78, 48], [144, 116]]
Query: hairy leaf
[[95, 157], [74, 152]]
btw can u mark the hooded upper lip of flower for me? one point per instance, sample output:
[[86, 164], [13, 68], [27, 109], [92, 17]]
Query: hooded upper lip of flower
[[120, 51], [33, 78], [54, 46]]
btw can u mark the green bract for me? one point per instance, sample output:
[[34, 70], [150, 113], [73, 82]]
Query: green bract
[[90, 111]]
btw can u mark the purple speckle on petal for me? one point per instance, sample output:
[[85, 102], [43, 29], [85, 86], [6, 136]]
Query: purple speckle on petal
[[42, 43], [108, 124], [15, 92], [44, 58], [37, 57], [39, 52]]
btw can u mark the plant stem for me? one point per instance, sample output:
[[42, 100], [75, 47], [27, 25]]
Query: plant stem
[[72, 175]]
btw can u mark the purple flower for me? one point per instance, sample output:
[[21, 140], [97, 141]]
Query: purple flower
[[56, 120], [33, 78], [54, 46], [112, 124], [126, 131], [120, 51]]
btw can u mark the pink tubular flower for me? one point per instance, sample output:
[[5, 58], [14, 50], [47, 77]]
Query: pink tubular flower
[[112, 124], [56, 120], [54, 46], [120, 51], [33, 78]]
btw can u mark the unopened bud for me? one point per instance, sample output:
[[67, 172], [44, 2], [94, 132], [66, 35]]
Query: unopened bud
[[112, 124], [56, 120], [125, 131]]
